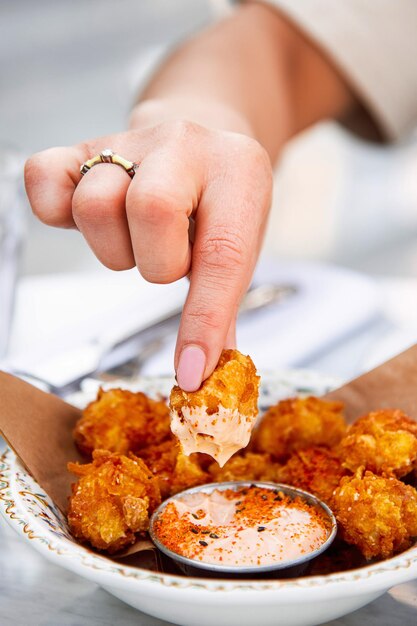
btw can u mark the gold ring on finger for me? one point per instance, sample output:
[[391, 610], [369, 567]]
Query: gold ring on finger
[[108, 156]]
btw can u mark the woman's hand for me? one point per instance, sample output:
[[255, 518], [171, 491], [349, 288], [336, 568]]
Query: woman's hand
[[221, 179], [245, 77]]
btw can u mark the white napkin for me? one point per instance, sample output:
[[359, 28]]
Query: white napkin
[[57, 315], [63, 321], [331, 303]]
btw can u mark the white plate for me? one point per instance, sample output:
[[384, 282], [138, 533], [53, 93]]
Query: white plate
[[190, 601]]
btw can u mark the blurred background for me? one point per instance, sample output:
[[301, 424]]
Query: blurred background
[[73, 72]]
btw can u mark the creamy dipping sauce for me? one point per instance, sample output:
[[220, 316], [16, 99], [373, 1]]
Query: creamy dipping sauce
[[248, 527], [219, 435]]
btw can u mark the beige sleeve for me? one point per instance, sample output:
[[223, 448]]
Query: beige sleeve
[[373, 43]]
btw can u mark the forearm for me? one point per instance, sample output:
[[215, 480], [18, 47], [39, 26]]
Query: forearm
[[252, 73]]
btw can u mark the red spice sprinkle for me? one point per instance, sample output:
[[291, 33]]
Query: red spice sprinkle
[[261, 506]]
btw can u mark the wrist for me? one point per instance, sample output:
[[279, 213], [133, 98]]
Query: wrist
[[213, 114]]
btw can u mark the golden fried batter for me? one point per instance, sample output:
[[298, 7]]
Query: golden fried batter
[[384, 442], [115, 494], [233, 385], [246, 466], [161, 459], [121, 421], [299, 423], [174, 471], [317, 470], [218, 418], [378, 515], [187, 473], [112, 500]]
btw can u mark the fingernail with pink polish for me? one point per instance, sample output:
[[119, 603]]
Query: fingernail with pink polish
[[191, 368]]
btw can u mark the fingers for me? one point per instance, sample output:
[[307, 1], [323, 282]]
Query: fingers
[[98, 208], [230, 223], [142, 222], [230, 342], [221, 179], [159, 202], [220, 274], [51, 176], [95, 203], [50, 180]]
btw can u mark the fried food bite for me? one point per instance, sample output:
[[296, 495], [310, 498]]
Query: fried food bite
[[174, 471], [121, 421], [302, 442], [383, 442], [299, 423], [246, 466], [378, 515], [112, 500], [317, 470], [218, 418]]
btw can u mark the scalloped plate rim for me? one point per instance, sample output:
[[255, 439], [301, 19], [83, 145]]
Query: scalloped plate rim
[[378, 577]]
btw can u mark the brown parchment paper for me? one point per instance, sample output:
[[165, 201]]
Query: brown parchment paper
[[391, 385], [38, 426]]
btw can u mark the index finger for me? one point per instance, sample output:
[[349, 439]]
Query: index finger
[[229, 228]]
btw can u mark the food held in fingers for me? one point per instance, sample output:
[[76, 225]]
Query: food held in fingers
[[218, 418], [121, 421], [299, 423], [383, 442], [112, 500]]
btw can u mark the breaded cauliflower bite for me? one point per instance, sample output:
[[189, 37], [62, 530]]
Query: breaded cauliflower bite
[[383, 442], [121, 421], [218, 418], [299, 423], [378, 515], [174, 471], [317, 470], [112, 500], [246, 466]]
